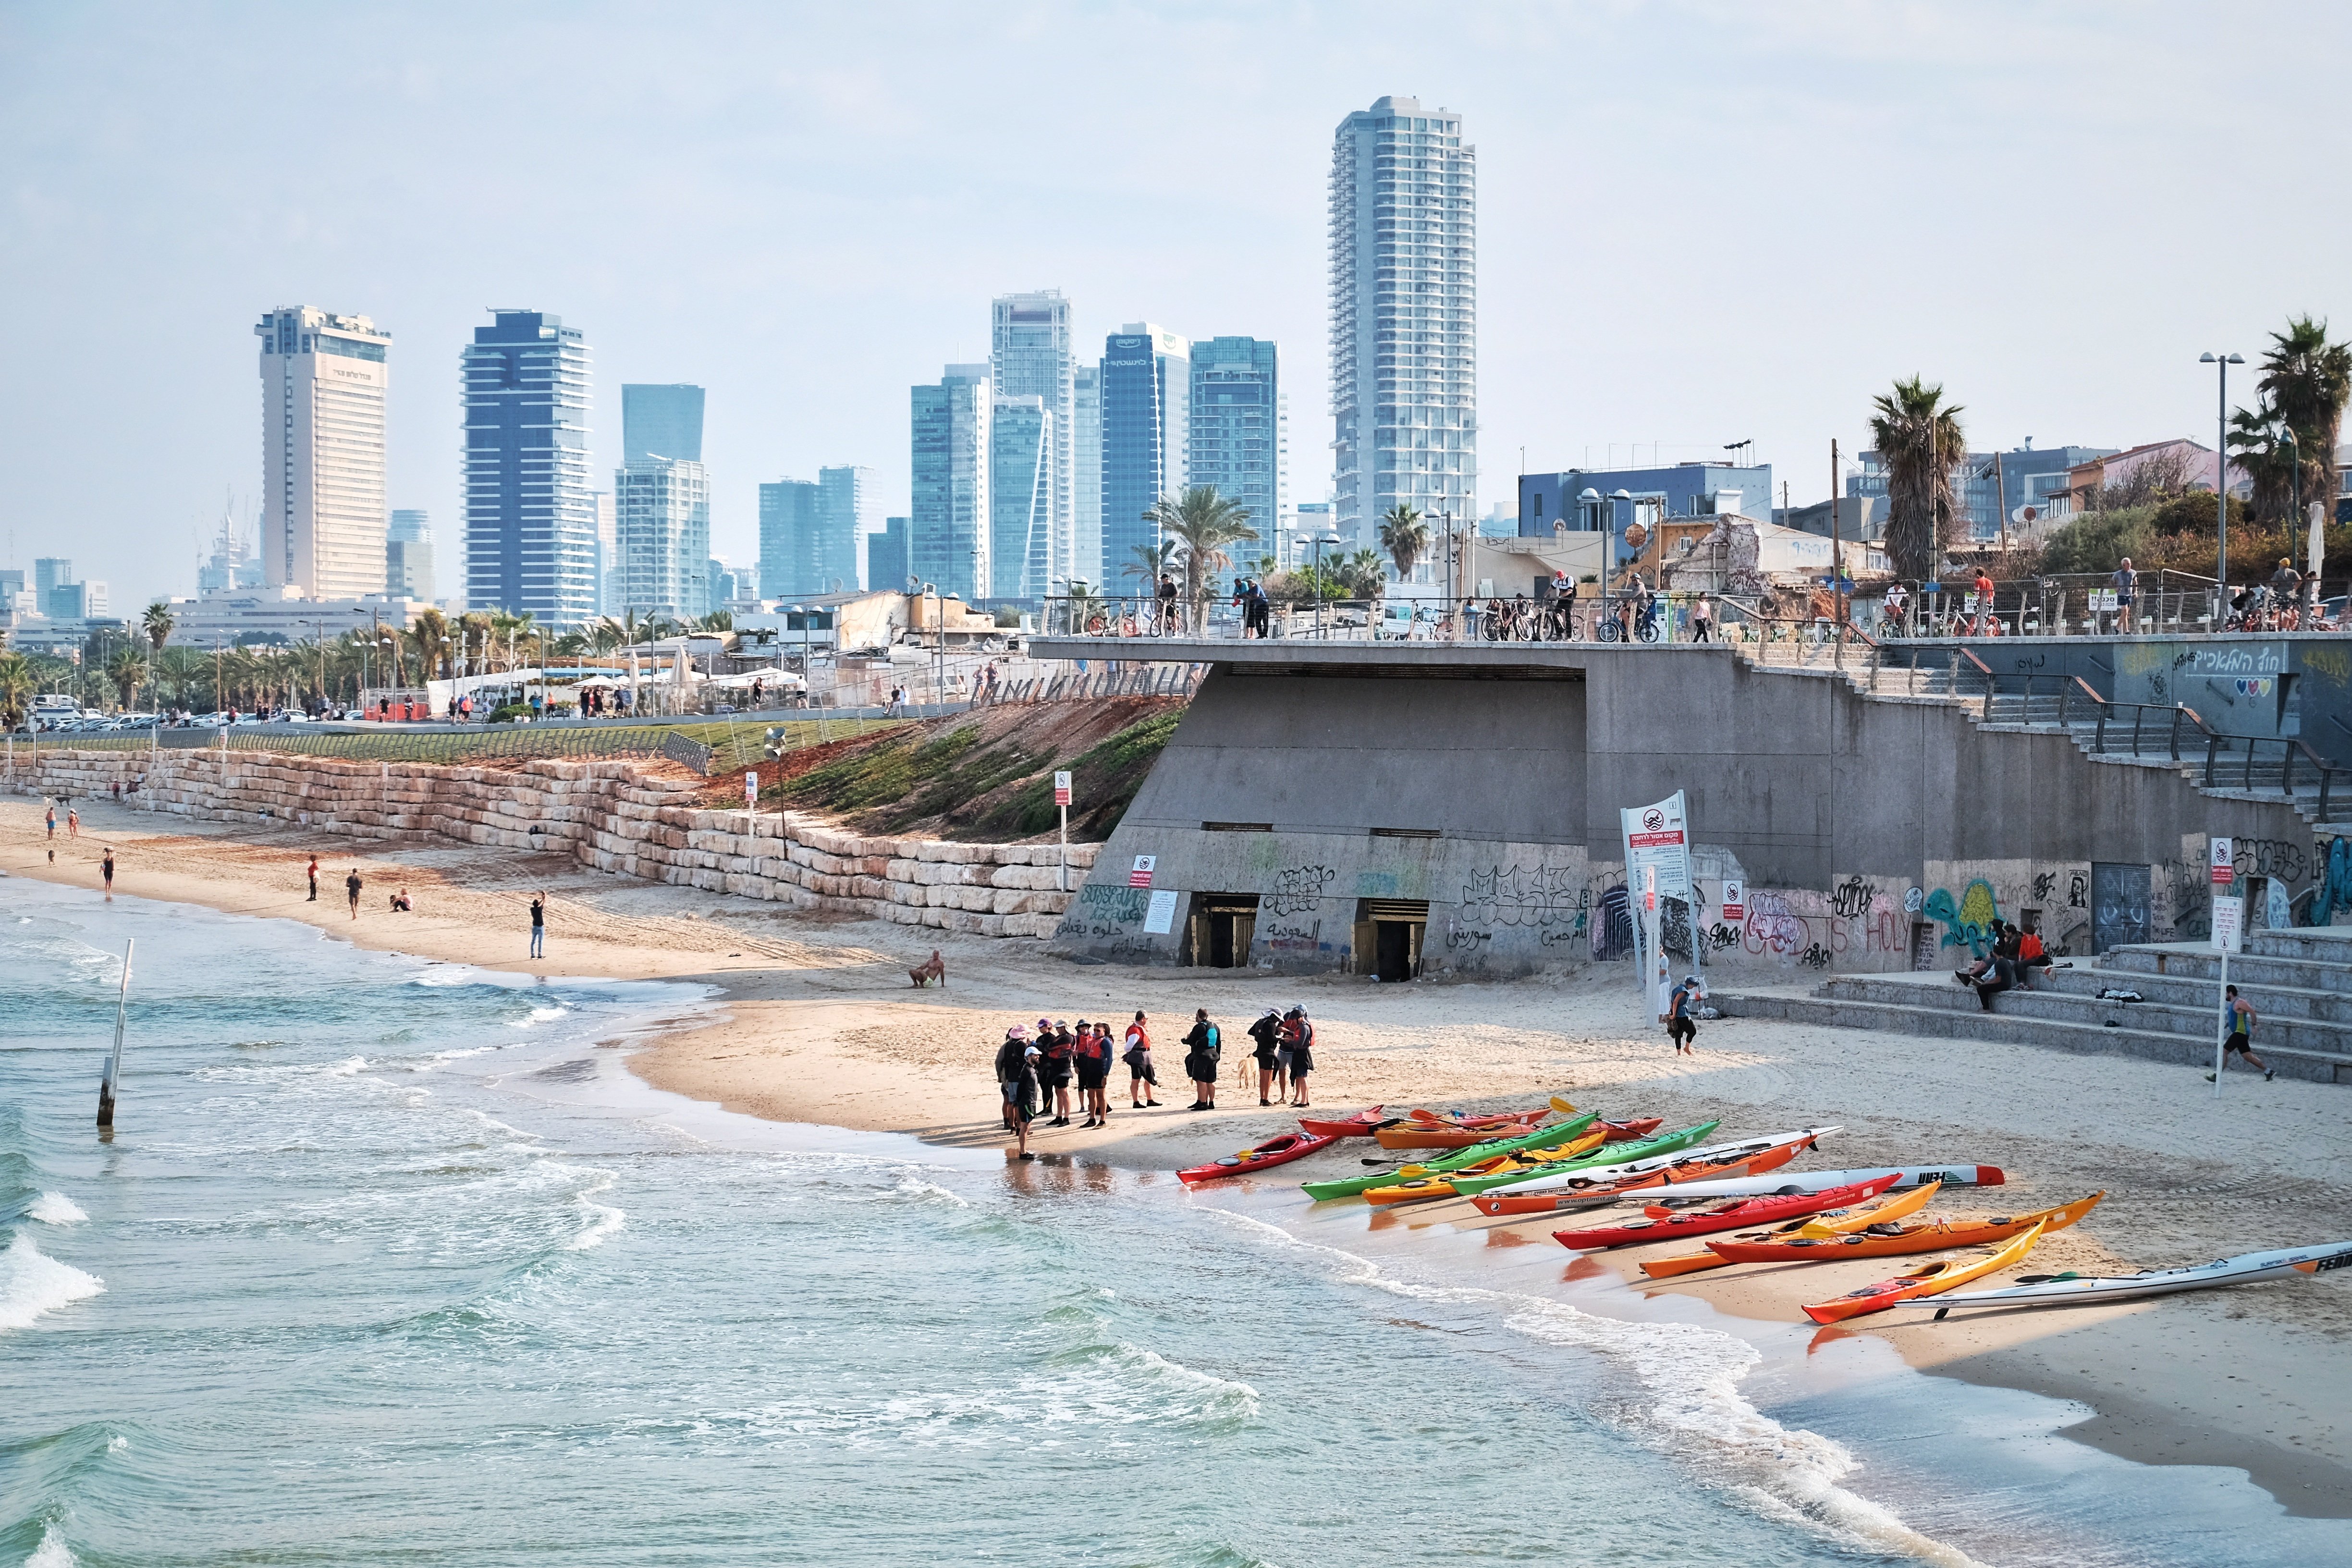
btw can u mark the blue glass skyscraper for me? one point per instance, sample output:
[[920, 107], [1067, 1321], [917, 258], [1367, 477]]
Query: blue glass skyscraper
[[1021, 498], [1241, 435], [1145, 405], [949, 537], [531, 517], [663, 420]]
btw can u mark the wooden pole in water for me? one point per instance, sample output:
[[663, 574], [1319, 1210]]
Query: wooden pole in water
[[113, 1077]]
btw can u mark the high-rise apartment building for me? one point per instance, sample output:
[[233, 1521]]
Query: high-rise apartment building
[[1085, 467], [1241, 427], [789, 525], [885, 557], [662, 517], [608, 553], [1147, 393], [324, 382], [1032, 354], [1020, 498], [661, 420], [531, 516], [948, 532], [1405, 313], [849, 503], [51, 572], [408, 556]]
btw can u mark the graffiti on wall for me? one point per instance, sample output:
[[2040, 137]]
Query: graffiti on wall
[[1541, 896], [1298, 889], [1968, 919]]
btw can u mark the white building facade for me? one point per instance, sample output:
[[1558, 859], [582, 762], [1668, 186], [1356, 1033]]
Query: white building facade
[[325, 378], [1086, 463], [1032, 354], [662, 521]]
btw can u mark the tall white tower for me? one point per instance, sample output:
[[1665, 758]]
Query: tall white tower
[[1404, 314], [323, 380], [1031, 354]]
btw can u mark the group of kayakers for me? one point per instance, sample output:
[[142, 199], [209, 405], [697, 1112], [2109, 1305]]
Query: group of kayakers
[[1032, 1065]]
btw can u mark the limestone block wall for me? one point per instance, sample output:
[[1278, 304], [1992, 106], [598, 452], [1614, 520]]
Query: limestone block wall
[[621, 818]]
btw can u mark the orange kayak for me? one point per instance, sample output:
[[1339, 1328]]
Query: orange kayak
[[1835, 1221], [1504, 1201], [1488, 1118], [1899, 1240], [1434, 1135], [1927, 1280]]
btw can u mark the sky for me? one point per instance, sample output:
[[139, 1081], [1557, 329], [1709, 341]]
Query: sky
[[1700, 223]]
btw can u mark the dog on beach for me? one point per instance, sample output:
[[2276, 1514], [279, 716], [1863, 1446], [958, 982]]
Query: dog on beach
[[923, 974]]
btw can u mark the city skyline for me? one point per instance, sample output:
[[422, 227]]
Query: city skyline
[[1621, 315]]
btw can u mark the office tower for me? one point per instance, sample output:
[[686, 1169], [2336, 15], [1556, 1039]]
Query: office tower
[[1241, 437], [662, 518], [408, 556], [733, 585], [93, 597], [12, 582], [608, 553], [50, 571], [1020, 498], [948, 532], [531, 517], [848, 506], [323, 380], [1086, 469], [789, 524], [1404, 314], [1033, 355], [886, 558], [1147, 391], [661, 421]]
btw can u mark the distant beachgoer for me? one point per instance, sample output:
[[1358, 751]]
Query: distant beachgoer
[[1016, 1081], [1139, 1064], [106, 866], [49, 818], [1682, 1025], [2240, 1040], [314, 878], [116, 786], [73, 823], [2125, 580], [539, 925], [1054, 1070], [1092, 1065], [402, 903], [1301, 1031], [351, 885], [1266, 1032], [1702, 620], [1201, 1060]]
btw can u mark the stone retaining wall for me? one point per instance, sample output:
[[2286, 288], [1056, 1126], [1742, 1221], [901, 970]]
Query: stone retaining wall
[[622, 817]]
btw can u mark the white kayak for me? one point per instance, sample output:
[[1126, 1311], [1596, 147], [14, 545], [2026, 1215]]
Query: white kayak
[[1603, 1175], [1775, 1182], [2080, 1291]]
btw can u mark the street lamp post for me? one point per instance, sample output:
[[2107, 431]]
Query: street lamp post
[[1318, 540], [2221, 481]]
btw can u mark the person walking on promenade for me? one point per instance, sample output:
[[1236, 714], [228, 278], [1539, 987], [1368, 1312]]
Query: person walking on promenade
[[1267, 1034], [2126, 582], [1053, 1046], [1682, 1020], [539, 925], [107, 867], [313, 875], [1016, 1079], [1206, 1047], [1702, 620], [1139, 1064], [2240, 1040], [1300, 1033], [351, 886]]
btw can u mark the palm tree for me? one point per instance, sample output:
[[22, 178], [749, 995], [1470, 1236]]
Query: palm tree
[[1149, 561], [2306, 381], [17, 685], [717, 621], [2268, 461], [126, 670], [1200, 522], [1918, 441], [1404, 535], [428, 639], [1079, 606], [1360, 572]]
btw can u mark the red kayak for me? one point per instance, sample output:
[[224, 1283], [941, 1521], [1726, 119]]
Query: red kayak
[[1276, 1151], [1626, 1132], [1492, 1118], [1363, 1124], [1738, 1216]]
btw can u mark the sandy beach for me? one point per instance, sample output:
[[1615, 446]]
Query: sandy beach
[[821, 1024]]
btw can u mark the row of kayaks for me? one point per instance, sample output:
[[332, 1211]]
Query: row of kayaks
[[1740, 1198]]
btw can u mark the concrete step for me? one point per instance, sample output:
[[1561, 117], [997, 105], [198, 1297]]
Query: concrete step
[[2203, 997], [2196, 960], [2191, 1017], [1910, 1018]]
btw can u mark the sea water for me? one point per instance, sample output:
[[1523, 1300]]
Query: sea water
[[393, 1262]]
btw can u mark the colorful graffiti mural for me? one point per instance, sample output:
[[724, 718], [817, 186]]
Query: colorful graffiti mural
[[1968, 920]]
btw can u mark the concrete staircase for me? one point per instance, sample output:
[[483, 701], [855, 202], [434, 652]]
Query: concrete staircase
[[2299, 981]]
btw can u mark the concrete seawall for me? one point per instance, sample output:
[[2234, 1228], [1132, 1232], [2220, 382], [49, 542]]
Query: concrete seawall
[[622, 817]]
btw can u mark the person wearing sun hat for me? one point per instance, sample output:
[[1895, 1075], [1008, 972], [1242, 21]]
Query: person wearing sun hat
[[1016, 1077]]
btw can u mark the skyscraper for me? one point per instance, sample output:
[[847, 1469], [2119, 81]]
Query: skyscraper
[[1085, 467], [408, 556], [662, 514], [886, 558], [608, 553], [790, 512], [323, 380], [530, 518], [661, 420], [1241, 437], [1147, 393], [1405, 313], [1033, 355], [1020, 498], [848, 506], [948, 535]]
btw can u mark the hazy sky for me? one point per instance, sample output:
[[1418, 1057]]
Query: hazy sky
[[1700, 222]]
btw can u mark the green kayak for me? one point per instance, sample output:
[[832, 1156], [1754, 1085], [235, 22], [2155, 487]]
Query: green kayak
[[1607, 1154], [1454, 1160]]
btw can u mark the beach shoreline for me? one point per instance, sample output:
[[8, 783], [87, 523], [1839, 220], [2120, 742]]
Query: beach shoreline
[[819, 1024]]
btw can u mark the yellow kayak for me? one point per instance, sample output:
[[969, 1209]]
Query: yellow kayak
[[1441, 1185], [1837, 1222]]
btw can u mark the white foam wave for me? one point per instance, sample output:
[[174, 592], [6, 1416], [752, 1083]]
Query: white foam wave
[[606, 1221], [1691, 1376], [55, 1209], [32, 1282], [541, 1016], [457, 974], [916, 1187], [348, 1068], [51, 1553]]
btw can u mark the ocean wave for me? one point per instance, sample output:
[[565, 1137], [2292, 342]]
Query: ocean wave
[[916, 1187], [346, 1068], [1691, 1376], [607, 1219], [440, 974], [31, 1283], [51, 1553], [55, 1209]]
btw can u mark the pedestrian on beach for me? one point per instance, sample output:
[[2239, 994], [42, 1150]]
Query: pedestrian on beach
[[1139, 1064], [73, 823], [1681, 1021], [1267, 1034], [106, 866], [351, 886], [1016, 1079], [1053, 1069], [314, 878], [2240, 1040], [1091, 1067], [49, 817], [1204, 1047], [1300, 1031], [539, 925]]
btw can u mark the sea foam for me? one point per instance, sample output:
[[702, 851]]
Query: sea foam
[[31, 1283], [51, 1553], [55, 1209]]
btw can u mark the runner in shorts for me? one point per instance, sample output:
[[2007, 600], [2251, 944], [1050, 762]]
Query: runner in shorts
[[2240, 1040]]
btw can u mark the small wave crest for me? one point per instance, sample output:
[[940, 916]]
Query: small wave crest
[[51, 1553], [31, 1283], [348, 1068], [55, 1209], [916, 1187], [605, 1220]]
